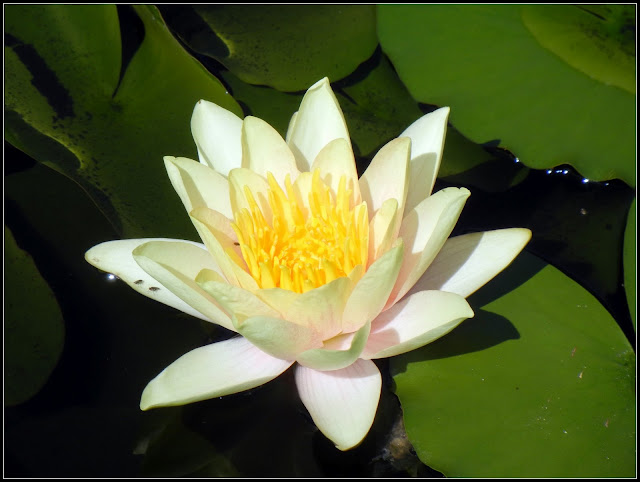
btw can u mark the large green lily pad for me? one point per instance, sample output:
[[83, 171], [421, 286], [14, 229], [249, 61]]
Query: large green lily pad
[[288, 47], [629, 260], [33, 325], [71, 102], [540, 383], [551, 83]]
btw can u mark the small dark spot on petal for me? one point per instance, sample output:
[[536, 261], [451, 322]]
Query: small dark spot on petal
[[138, 282], [154, 288]]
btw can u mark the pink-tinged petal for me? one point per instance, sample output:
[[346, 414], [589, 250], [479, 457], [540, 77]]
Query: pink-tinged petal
[[369, 296], [334, 161], [342, 403], [264, 150], [214, 233], [381, 229], [176, 265], [387, 176], [427, 136], [467, 262], [415, 321], [198, 185], [318, 122], [217, 135], [242, 179], [277, 337], [215, 370], [321, 308], [116, 257], [334, 356], [236, 301], [425, 230]]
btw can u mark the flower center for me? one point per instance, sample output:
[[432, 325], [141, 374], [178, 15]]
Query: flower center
[[303, 247]]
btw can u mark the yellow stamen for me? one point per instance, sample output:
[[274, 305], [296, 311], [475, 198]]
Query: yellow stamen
[[302, 249]]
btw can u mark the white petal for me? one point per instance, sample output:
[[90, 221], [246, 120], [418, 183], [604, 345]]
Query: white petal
[[318, 122], [427, 141], [241, 179], [176, 265], [386, 176], [467, 262], [264, 150], [382, 229], [425, 230], [217, 135], [198, 185], [241, 303], [214, 231], [342, 403], [321, 308], [337, 353], [292, 123], [215, 370], [116, 257], [279, 338], [415, 321], [370, 294], [334, 161]]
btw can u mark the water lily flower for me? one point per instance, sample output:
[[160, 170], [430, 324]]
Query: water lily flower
[[309, 264]]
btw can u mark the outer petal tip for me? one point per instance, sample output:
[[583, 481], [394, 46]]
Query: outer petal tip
[[322, 82], [342, 403]]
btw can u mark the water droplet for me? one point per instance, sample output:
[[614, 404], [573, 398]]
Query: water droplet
[[111, 277]]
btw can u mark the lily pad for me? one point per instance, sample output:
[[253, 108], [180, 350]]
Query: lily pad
[[496, 72], [596, 39], [376, 105], [629, 261], [542, 370], [33, 326], [73, 103], [288, 47]]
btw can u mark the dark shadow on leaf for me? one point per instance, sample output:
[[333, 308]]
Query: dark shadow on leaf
[[361, 72], [132, 35], [43, 77], [479, 333], [521, 270], [485, 329], [192, 28]]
